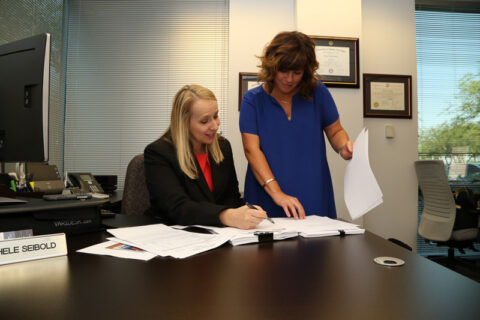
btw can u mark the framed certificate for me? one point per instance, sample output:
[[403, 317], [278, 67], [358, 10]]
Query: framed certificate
[[246, 81], [387, 96], [338, 60]]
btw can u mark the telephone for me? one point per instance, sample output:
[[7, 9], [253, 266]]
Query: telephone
[[85, 181]]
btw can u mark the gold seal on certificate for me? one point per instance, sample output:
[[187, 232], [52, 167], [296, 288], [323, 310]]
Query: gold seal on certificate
[[387, 95]]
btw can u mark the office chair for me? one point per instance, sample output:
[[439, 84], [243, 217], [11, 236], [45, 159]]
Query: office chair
[[437, 222], [136, 198]]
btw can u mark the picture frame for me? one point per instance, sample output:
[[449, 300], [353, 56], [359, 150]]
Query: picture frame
[[338, 59], [387, 96], [246, 81]]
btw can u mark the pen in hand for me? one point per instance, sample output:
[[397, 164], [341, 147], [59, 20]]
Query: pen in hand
[[251, 206]]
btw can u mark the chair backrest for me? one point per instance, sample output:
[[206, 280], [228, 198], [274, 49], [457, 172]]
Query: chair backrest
[[438, 216], [136, 198]]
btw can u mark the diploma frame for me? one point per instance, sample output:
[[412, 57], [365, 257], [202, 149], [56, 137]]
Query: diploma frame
[[244, 80], [390, 103], [350, 76]]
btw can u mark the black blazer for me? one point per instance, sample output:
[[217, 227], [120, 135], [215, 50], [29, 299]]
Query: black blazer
[[177, 199]]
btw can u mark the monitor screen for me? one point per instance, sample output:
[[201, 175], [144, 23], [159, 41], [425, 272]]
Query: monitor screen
[[24, 96]]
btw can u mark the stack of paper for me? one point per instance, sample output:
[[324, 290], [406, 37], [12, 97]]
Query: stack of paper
[[361, 190], [239, 237], [166, 241], [117, 249], [316, 226], [144, 242]]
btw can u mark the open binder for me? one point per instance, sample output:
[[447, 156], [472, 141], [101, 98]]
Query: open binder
[[283, 228]]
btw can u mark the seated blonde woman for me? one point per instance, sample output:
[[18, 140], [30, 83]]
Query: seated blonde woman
[[189, 169]]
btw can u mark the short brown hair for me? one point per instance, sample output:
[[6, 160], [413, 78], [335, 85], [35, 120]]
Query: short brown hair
[[290, 50]]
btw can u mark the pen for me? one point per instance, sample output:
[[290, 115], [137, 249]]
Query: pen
[[251, 206]]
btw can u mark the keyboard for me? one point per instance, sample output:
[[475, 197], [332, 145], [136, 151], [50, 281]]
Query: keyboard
[[78, 196]]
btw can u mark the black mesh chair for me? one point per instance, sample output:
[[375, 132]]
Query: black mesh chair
[[136, 198]]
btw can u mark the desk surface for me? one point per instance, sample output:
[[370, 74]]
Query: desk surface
[[323, 278], [34, 204]]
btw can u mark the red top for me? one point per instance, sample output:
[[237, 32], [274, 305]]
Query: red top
[[205, 166]]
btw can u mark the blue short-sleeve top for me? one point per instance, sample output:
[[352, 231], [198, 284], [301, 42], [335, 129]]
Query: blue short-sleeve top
[[294, 149]]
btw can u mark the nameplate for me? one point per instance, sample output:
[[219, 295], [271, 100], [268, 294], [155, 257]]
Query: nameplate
[[32, 248]]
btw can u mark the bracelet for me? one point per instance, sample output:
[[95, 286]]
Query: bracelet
[[267, 182]]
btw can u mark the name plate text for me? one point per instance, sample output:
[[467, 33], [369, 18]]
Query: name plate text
[[32, 248]]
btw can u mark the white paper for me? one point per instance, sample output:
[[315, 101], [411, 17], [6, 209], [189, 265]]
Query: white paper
[[333, 61], [361, 190], [283, 228], [117, 249], [387, 96], [166, 241], [317, 226], [162, 240], [240, 236]]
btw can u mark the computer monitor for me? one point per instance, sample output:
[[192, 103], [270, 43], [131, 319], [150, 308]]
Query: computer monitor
[[24, 97]]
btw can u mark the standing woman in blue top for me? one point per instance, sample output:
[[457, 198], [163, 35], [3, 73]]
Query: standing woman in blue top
[[282, 124]]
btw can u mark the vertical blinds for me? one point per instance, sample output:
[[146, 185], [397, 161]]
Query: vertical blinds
[[126, 60]]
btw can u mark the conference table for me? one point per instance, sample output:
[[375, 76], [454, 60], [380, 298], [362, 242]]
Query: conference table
[[316, 278]]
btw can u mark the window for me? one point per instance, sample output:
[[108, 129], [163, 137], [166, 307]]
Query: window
[[125, 62], [448, 70]]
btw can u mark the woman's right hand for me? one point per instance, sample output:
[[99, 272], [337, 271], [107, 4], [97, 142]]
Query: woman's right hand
[[242, 217], [291, 205]]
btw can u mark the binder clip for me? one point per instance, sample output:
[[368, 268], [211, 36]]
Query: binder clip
[[342, 233], [264, 236]]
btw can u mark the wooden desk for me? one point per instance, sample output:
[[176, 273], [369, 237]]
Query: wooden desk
[[324, 278]]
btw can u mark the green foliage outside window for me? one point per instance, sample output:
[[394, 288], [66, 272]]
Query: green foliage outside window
[[463, 129]]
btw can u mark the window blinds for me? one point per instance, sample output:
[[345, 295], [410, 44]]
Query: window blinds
[[126, 60], [448, 47]]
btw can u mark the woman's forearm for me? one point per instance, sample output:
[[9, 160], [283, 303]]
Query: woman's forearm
[[258, 163]]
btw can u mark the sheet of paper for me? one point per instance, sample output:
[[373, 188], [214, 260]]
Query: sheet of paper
[[317, 226], [361, 190], [265, 225], [239, 236], [166, 241], [117, 249]]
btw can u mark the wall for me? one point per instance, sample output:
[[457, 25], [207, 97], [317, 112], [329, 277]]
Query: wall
[[388, 40], [386, 32], [251, 28]]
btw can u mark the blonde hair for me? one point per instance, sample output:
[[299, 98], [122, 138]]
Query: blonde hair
[[180, 128]]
